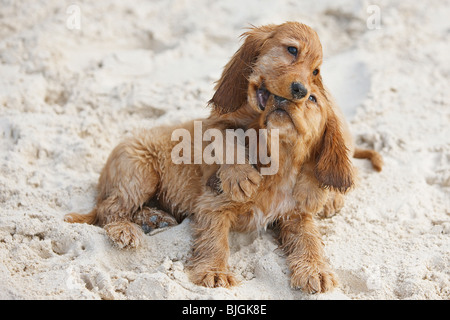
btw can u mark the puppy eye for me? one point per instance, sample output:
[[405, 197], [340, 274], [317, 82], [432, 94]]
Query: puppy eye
[[293, 51], [312, 98], [315, 72]]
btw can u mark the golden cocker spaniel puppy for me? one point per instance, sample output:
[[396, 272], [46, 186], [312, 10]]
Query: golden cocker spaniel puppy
[[271, 85]]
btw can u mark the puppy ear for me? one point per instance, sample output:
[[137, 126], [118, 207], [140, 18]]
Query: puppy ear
[[333, 167], [231, 89]]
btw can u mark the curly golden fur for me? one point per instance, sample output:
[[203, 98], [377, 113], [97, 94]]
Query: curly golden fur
[[272, 82]]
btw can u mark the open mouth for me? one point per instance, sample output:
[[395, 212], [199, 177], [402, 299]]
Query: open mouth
[[262, 95]]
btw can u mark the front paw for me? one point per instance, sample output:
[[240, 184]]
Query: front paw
[[214, 279], [313, 278], [239, 181]]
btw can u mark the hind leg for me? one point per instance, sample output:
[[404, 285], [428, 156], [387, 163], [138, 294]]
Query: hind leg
[[151, 218], [127, 181], [334, 204], [124, 234]]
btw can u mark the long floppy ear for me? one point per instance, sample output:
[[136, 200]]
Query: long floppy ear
[[231, 89], [333, 167]]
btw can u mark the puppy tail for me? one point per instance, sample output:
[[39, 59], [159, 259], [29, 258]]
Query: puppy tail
[[372, 155], [90, 218]]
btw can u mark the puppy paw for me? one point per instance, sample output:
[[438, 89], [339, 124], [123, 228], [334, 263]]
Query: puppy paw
[[124, 233], [314, 279], [333, 205], [151, 218], [240, 181], [215, 279]]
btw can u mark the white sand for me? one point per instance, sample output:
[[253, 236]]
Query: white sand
[[67, 97]]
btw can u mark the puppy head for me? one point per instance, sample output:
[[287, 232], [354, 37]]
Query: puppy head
[[283, 60], [309, 129], [288, 65], [277, 72]]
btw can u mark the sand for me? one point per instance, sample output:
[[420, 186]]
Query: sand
[[72, 86]]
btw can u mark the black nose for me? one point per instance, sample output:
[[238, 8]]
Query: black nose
[[298, 90]]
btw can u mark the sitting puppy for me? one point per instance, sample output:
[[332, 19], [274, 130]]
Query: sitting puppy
[[141, 169], [313, 160]]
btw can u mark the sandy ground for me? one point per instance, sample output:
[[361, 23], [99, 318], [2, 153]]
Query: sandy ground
[[68, 95]]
